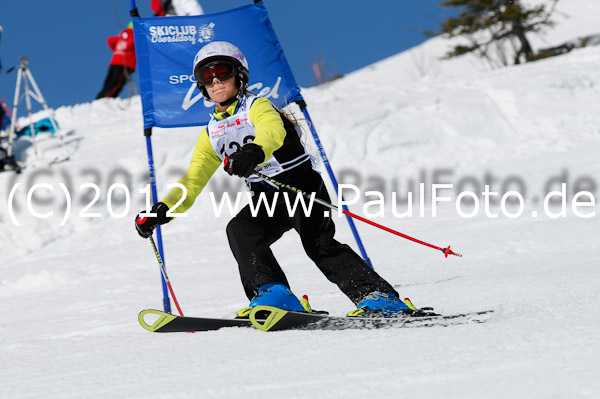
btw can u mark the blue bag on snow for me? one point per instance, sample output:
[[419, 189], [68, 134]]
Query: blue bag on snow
[[41, 126]]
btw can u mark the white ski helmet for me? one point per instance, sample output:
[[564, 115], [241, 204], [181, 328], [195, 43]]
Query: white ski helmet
[[221, 51]]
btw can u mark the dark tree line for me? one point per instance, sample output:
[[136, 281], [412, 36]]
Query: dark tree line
[[496, 30]]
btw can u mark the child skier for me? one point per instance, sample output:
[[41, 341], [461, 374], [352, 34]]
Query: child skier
[[246, 132]]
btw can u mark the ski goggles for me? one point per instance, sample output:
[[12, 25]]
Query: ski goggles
[[220, 70]]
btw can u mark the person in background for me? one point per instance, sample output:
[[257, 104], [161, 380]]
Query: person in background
[[171, 8], [6, 162], [122, 63], [5, 115]]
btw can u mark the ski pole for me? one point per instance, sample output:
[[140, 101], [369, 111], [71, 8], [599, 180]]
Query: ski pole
[[163, 269], [447, 251]]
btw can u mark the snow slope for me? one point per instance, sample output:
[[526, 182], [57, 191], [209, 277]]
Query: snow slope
[[71, 294]]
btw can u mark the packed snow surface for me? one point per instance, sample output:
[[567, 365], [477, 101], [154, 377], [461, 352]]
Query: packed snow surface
[[71, 288]]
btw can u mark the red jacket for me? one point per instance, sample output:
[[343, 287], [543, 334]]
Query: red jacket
[[123, 49], [158, 8]]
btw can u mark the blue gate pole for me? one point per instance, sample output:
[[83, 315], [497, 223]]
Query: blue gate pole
[[361, 247], [166, 299], [133, 11]]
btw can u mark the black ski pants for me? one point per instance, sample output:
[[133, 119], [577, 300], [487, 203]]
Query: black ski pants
[[114, 81], [250, 238]]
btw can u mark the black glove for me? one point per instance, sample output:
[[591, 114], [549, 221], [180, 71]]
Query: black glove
[[242, 162], [146, 224]]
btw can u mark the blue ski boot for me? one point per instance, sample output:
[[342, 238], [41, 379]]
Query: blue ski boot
[[380, 304], [273, 294]]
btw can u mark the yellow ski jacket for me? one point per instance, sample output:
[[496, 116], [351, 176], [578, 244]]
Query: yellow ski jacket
[[270, 134]]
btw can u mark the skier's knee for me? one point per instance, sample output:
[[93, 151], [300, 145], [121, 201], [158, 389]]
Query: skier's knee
[[237, 228]]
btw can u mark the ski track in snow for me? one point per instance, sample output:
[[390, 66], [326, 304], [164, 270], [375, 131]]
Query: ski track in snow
[[70, 295]]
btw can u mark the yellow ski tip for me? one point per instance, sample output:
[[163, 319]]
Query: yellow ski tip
[[162, 320], [273, 316]]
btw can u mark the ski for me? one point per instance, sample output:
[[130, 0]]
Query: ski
[[170, 323], [268, 318]]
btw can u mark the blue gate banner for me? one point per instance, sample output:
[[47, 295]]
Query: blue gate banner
[[165, 48]]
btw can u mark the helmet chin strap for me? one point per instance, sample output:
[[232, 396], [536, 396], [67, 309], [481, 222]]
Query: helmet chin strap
[[227, 103]]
